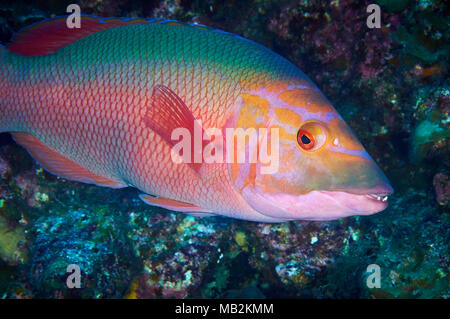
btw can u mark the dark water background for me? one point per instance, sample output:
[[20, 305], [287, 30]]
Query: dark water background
[[391, 85]]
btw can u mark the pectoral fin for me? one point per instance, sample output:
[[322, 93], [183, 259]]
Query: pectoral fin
[[168, 112]]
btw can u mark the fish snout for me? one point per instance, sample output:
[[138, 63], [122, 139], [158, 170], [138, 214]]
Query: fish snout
[[368, 180]]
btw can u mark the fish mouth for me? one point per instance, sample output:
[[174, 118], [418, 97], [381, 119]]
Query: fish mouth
[[320, 205], [344, 204], [378, 197], [381, 194]]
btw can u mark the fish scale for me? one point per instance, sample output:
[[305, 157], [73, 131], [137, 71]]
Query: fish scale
[[99, 69], [87, 101]]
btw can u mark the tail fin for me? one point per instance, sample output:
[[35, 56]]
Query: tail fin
[[2, 53], [3, 88]]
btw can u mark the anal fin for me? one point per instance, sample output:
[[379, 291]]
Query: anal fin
[[57, 164], [176, 205]]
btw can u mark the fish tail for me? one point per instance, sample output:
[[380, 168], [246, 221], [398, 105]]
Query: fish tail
[[3, 89], [5, 114], [3, 53]]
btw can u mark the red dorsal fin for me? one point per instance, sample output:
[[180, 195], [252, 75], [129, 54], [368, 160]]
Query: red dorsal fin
[[60, 165], [51, 35], [168, 112]]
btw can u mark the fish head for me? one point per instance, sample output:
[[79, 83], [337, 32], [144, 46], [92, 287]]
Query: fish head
[[323, 171]]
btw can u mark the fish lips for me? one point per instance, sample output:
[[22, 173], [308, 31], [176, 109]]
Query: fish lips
[[319, 204]]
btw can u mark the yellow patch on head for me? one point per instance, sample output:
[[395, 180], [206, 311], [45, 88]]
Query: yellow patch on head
[[309, 98], [289, 117], [276, 87], [254, 107], [283, 134], [256, 102]]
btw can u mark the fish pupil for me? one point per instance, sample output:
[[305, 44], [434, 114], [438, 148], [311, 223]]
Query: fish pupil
[[305, 139]]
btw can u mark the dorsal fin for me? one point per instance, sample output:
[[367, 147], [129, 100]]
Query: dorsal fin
[[50, 35]]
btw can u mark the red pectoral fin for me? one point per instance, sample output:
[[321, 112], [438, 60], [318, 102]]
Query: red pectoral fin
[[168, 112], [60, 165]]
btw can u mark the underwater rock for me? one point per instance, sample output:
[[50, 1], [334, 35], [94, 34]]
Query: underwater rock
[[441, 185], [90, 239], [394, 5], [431, 135], [5, 169], [176, 250], [414, 47], [13, 250], [416, 267], [426, 135], [299, 252]]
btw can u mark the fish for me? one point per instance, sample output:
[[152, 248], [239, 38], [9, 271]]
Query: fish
[[100, 104]]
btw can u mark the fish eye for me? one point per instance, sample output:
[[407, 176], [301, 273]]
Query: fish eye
[[305, 139], [311, 136]]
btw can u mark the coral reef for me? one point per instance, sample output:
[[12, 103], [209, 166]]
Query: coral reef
[[390, 84], [12, 242], [442, 187]]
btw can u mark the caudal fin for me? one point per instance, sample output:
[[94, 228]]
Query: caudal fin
[[3, 89], [2, 54]]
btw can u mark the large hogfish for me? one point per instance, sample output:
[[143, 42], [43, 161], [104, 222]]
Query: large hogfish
[[100, 104]]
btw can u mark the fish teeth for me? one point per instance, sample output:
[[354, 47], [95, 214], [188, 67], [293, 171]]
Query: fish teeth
[[378, 197]]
